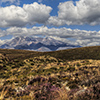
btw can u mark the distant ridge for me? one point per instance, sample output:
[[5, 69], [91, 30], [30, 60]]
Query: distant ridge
[[92, 52], [69, 54]]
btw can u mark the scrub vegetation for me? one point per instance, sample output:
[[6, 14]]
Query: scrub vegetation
[[72, 74]]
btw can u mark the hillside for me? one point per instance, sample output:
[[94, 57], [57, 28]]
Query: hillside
[[72, 74], [78, 53], [69, 54]]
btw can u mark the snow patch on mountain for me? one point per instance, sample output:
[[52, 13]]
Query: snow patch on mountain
[[37, 44]]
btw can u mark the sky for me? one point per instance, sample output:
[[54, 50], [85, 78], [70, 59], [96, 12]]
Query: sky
[[73, 21]]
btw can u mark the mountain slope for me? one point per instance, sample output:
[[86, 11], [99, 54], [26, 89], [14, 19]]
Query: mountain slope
[[37, 44]]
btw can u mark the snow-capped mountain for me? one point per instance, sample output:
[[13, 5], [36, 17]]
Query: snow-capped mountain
[[37, 44]]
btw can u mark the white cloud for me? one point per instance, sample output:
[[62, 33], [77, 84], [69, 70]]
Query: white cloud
[[21, 16], [4, 41], [37, 13], [84, 12], [58, 32], [76, 36]]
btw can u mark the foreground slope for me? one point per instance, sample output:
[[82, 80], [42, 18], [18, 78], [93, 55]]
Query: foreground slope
[[62, 75]]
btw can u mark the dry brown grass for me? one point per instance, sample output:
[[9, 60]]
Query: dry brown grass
[[3, 93]]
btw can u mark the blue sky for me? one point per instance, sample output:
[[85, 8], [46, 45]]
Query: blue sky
[[54, 4], [77, 19]]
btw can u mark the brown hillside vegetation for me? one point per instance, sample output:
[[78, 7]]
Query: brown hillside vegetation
[[77, 53], [69, 54], [72, 74]]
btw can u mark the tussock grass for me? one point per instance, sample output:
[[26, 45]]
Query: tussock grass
[[59, 75]]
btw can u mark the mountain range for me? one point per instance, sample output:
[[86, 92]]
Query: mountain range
[[37, 44]]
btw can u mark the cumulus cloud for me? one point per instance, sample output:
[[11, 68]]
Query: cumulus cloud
[[83, 12], [2, 34], [75, 36], [59, 32], [69, 13], [21, 16]]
